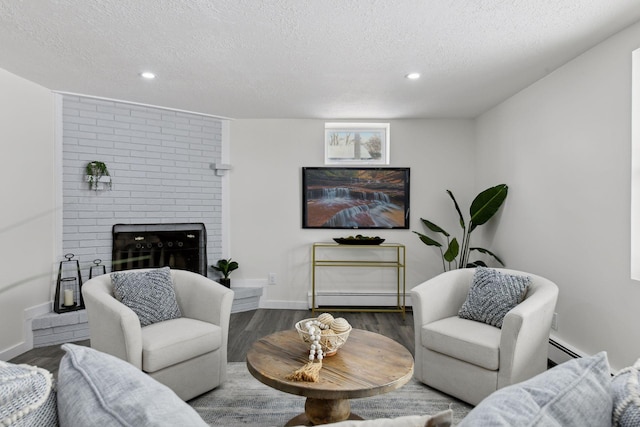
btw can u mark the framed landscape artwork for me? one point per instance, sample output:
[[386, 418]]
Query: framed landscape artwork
[[356, 143], [347, 197]]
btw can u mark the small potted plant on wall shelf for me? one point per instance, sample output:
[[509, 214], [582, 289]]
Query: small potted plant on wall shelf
[[225, 267], [97, 175]]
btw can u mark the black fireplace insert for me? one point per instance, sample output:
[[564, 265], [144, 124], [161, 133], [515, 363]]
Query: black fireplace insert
[[176, 245]]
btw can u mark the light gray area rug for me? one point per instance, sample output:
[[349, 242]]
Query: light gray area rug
[[242, 400]]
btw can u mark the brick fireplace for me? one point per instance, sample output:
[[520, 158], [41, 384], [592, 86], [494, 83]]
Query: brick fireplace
[[159, 161]]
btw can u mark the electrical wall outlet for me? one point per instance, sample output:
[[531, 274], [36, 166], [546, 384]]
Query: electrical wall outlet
[[554, 322], [272, 279]]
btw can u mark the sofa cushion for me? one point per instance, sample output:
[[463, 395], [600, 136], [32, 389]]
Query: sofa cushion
[[441, 419], [575, 393], [148, 293], [27, 396], [474, 342], [625, 387], [492, 294], [97, 389], [167, 343]]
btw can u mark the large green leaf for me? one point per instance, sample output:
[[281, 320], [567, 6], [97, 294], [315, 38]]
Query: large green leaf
[[428, 240], [486, 204], [488, 252], [455, 203], [452, 251], [475, 264], [433, 227]]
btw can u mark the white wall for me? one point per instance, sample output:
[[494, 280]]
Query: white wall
[[267, 236], [564, 147], [28, 211]]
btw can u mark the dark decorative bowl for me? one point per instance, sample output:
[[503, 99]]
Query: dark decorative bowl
[[357, 241]]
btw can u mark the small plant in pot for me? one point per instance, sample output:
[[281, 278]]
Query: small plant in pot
[[225, 267]]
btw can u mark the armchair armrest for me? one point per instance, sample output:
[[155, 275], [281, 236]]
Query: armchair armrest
[[115, 329], [525, 333], [441, 296], [202, 298]]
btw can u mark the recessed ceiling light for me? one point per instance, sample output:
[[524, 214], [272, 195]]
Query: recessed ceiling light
[[413, 76], [148, 75]]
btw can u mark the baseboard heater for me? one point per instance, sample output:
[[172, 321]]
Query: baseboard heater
[[559, 353], [358, 299], [564, 349]]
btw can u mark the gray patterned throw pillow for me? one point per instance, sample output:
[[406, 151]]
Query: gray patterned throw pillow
[[27, 396], [149, 294], [492, 295], [625, 388]]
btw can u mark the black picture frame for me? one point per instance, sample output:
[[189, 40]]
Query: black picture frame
[[355, 197]]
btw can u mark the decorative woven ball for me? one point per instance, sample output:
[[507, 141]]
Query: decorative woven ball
[[330, 342], [325, 319], [340, 325]]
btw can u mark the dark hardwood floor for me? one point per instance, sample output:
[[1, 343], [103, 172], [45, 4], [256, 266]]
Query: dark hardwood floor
[[249, 326]]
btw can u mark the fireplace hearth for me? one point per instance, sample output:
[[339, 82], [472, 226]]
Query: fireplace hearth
[[176, 245]]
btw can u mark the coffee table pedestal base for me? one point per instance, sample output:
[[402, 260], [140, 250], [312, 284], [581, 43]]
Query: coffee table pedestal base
[[324, 411]]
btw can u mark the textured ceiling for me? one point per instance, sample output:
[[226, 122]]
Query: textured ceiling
[[303, 58]]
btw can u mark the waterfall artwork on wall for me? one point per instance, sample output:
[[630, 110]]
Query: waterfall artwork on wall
[[355, 197]]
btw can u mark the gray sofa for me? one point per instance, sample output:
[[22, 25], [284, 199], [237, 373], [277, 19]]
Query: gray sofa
[[95, 388]]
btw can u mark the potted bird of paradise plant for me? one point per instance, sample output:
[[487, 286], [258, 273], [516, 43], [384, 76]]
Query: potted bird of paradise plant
[[483, 208]]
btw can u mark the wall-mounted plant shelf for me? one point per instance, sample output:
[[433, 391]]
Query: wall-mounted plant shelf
[[103, 183], [97, 175]]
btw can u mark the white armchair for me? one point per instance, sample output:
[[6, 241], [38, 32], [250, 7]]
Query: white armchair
[[188, 354], [469, 359]]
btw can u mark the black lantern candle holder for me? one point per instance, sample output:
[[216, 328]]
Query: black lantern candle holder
[[98, 267], [68, 287]]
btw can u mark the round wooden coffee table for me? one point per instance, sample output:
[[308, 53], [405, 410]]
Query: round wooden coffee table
[[368, 364]]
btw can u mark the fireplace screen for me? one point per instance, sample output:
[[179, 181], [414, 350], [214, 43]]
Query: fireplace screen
[[182, 246]]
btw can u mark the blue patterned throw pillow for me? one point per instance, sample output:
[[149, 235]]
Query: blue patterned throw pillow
[[492, 295], [149, 294]]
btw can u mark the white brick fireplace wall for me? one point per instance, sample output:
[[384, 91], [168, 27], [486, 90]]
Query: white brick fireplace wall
[[159, 161]]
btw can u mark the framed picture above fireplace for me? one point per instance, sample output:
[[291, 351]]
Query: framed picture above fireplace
[[355, 197]]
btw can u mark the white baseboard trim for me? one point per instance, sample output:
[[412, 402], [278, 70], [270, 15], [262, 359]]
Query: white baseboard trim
[[283, 305], [14, 351], [27, 332]]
